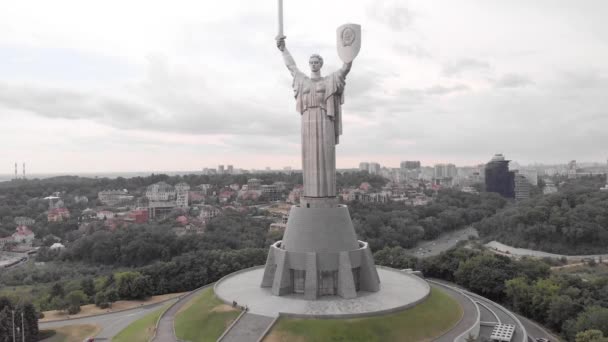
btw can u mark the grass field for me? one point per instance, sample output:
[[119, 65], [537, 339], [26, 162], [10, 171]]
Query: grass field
[[204, 319], [585, 272], [436, 315], [73, 333], [141, 330]]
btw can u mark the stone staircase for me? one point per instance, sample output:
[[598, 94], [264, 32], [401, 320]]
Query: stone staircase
[[249, 328]]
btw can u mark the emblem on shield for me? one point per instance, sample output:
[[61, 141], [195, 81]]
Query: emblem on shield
[[349, 41]]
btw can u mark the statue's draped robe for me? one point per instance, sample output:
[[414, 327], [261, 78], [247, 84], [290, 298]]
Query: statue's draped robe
[[319, 101]]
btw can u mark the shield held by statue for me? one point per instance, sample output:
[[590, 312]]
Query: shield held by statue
[[349, 41]]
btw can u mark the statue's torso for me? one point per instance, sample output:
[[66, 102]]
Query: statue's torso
[[313, 92]]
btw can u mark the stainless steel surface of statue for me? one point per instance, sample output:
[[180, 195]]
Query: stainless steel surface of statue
[[319, 100]]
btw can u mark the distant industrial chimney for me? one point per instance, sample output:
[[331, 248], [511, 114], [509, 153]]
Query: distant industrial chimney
[[23, 170]]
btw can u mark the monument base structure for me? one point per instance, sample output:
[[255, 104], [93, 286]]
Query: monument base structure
[[320, 254]]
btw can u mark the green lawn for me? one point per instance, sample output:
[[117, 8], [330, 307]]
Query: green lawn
[[71, 333], [204, 319], [141, 330], [436, 315]]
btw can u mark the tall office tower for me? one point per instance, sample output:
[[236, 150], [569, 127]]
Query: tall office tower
[[498, 177]]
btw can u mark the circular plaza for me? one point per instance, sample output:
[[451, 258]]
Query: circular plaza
[[398, 291]]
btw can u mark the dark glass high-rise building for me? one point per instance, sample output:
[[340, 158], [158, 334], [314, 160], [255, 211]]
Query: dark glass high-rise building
[[498, 177], [410, 165]]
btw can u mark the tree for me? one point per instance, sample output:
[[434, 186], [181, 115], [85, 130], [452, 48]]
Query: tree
[[593, 318], [591, 336], [57, 290], [74, 300], [88, 286], [485, 274], [30, 317]]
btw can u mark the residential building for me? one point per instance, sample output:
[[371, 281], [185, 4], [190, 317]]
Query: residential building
[[58, 214], [295, 194], [498, 177], [364, 166], [57, 246], [105, 215], [522, 187], [442, 171], [410, 165], [5, 241], [220, 169], [549, 188], [226, 195], [271, 192], [24, 221], [114, 197], [23, 235], [531, 175], [139, 215], [277, 227], [374, 168], [181, 195], [208, 212], [254, 184], [161, 199], [230, 169], [81, 199]]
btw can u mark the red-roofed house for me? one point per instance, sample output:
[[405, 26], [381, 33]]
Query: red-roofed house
[[183, 220], [58, 214], [365, 186], [23, 235], [139, 215], [226, 195]]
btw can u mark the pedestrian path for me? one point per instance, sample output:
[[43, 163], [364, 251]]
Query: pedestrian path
[[248, 328]]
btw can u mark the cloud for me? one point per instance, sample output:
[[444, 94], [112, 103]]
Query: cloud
[[391, 13], [512, 81], [413, 50], [464, 65], [441, 90]]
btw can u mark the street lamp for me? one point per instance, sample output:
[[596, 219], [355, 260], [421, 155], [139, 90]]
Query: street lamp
[[13, 312]]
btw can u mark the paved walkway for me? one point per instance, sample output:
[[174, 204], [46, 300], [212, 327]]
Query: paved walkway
[[165, 331], [248, 329], [397, 289]]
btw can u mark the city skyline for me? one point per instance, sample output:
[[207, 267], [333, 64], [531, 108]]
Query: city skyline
[[79, 93]]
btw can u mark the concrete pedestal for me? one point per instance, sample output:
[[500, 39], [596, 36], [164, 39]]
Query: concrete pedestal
[[320, 254]]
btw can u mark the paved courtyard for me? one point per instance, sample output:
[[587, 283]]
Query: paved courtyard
[[397, 289]]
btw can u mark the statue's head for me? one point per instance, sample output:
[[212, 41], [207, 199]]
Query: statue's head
[[316, 62]]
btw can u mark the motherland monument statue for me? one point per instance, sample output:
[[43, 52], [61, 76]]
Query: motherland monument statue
[[320, 254]]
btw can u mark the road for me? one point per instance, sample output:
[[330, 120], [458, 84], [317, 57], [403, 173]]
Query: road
[[519, 252], [469, 315], [112, 323], [442, 243], [491, 312]]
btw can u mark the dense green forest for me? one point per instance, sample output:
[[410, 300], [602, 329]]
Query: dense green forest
[[393, 224], [150, 259], [566, 303], [571, 221]]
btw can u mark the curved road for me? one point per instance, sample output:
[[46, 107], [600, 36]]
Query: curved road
[[491, 311], [165, 331], [111, 323]]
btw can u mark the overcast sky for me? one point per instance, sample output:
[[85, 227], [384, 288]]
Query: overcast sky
[[181, 85]]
